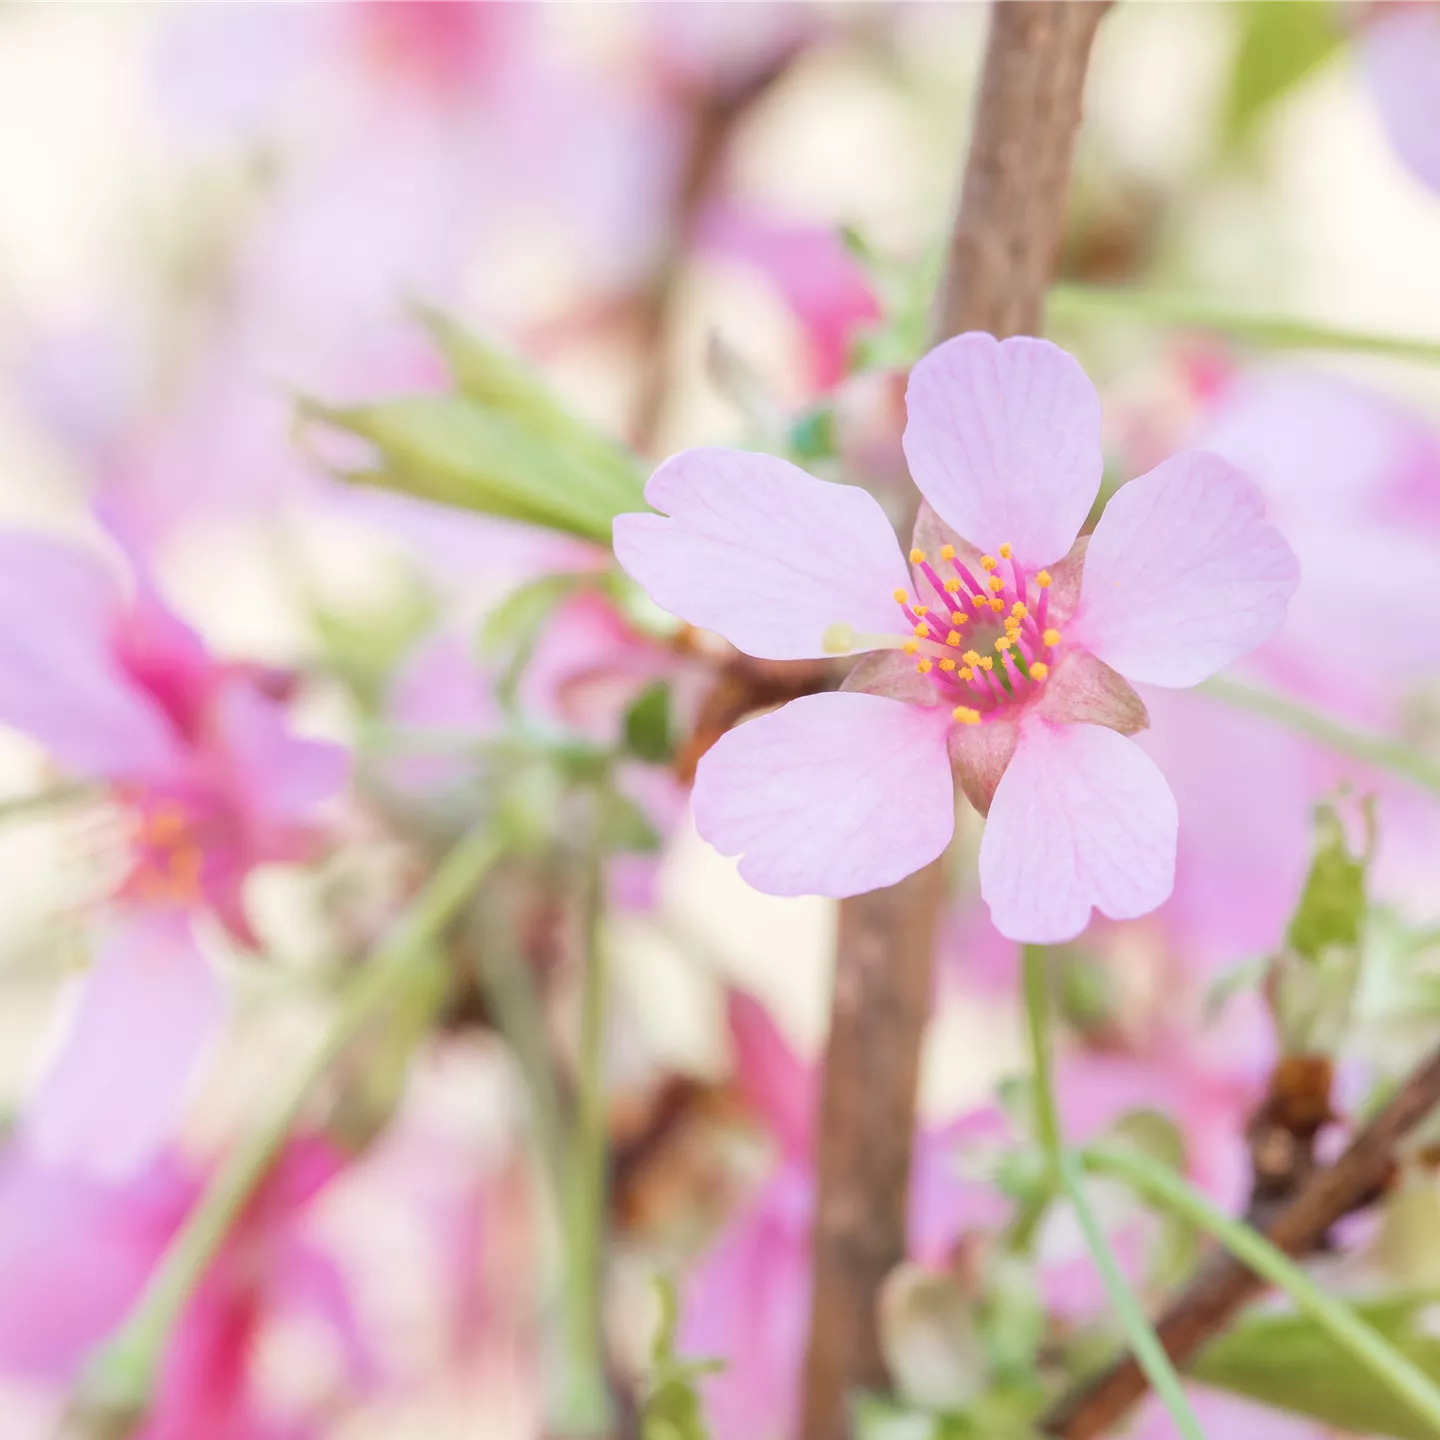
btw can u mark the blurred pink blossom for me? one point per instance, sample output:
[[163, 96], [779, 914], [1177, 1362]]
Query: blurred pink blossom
[[75, 1253], [747, 1301], [197, 757]]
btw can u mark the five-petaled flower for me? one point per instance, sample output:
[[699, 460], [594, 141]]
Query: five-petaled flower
[[1002, 654]]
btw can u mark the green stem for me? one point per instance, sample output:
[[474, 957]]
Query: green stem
[[1143, 1341], [120, 1376], [510, 990], [17, 806], [1163, 1186], [1069, 302], [586, 1399], [1377, 750]]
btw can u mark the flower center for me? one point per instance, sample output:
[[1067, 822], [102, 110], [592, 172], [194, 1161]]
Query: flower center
[[984, 641], [168, 857]]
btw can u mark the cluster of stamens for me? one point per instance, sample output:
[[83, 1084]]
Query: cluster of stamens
[[168, 856], [1000, 620]]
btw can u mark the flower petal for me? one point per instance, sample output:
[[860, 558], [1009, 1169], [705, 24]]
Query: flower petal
[[1400, 51], [146, 1015], [1183, 574], [61, 680], [830, 795], [280, 777], [1082, 817], [763, 553], [1004, 441]]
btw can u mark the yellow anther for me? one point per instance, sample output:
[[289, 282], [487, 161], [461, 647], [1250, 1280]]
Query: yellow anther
[[997, 605], [1019, 610], [952, 584], [959, 617], [996, 583], [1039, 670], [986, 663], [947, 664], [922, 609], [1043, 579], [953, 638], [902, 596], [1051, 637], [966, 674], [1005, 551], [965, 715], [979, 601], [947, 552], [917, 556], [1003, 643], [971, 657], [911, 647], [922, 628], [924, 667], [1012, 625], [988, 562]]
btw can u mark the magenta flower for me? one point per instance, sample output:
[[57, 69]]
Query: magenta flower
[[1003, 656], [75, 1253], [198, 763]]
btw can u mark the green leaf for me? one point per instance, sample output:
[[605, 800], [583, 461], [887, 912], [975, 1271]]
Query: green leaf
[[625, 827], [453, 450], [648, 727], [671, 1408], [1289, 1362], [1279, 45], [1077, 304], [506, 384], [515, 623], [1331, 912]]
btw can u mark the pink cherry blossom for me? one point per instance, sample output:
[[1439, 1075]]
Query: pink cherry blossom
[[1003, 654], [197, 761]]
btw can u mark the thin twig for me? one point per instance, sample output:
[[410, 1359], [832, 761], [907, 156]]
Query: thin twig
[[714, 119], [1209, 1303], [1002, 251]]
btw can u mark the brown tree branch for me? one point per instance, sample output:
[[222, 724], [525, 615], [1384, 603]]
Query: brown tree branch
[[1003, 247], [1209, 1303]]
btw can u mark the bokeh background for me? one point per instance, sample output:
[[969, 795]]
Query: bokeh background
[[210, 211]]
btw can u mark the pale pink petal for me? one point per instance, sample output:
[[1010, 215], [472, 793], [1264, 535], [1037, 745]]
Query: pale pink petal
[[1081, 818], [439, 685], [587, 667], [763, 553], [1226, 1416], [146, 1014], [1004, 441], [747, 1303], [831, 795], [772, 1077], [74, 1253], [1183, 574], [1401, 54], [946, 1197], [280, 776], [61, 680]]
